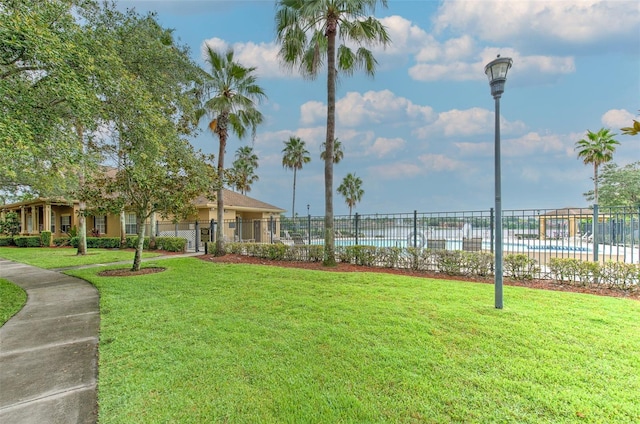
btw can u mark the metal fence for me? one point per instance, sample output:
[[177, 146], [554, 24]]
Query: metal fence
[[598, 234]]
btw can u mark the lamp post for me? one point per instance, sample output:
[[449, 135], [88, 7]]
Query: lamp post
[[496, 71]]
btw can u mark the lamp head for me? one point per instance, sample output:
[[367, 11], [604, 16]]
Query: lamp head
[[496, 71]]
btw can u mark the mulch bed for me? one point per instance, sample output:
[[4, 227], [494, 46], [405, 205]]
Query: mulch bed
[[344, 267]]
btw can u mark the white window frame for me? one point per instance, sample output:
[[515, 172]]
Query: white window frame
[[100, 223], [130, 224], [65, 228]]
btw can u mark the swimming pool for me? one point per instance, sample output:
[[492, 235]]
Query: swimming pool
[[533, 245]]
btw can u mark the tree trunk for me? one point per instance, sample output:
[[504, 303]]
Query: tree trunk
[[329, 235], [152, 231], [220, 249], [82, 220], [137, 259], [293, 206], [123, 231], [595, 183]]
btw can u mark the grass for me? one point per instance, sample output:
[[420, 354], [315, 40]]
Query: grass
[[12, 298], [63, 257], [204, 342]]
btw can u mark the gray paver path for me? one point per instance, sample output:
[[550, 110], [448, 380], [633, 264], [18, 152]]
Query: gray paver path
[[49, 350]]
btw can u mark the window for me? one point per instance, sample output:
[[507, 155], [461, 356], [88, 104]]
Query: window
[[65, 223], [100, 224], [130, 226], [53, 222]]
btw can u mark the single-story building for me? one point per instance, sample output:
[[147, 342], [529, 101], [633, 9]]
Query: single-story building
[[60, 217]]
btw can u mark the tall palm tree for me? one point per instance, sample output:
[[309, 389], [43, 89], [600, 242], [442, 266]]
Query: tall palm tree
[[307, 31], [338, 154], [244, 168], [295, 155], [597, 149], [233, 95], [351, 190]]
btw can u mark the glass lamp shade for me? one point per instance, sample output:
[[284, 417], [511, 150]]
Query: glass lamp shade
[[496, 71]]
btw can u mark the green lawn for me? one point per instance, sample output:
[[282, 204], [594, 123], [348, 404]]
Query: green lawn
[[204, 342], [63, 257], [12, 298]]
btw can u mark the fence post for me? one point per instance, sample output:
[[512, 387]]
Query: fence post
[[271, 229], [415, 228], [309, 227], [175, 229], [357, 218], [595, 232], [492, 234], [197, 237]]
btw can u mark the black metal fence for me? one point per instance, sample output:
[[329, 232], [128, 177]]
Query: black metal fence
[[594, 234]]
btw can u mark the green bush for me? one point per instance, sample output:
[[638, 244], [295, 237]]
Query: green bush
[[10, 225], [61, 241], [478, 264], [6, 241], [448, 261], [27, 241], [619, 275], [389, 257], [132, 242], [45, 238], [171, 244], [520, 267], [564, 269]]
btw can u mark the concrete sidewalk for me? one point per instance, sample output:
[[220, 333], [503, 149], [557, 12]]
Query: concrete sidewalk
[[49, 350]]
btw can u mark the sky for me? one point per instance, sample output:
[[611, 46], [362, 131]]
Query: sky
[[420, 133]]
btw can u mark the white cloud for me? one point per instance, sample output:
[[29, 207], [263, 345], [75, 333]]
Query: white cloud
[[467, 122], [263, 56], [571, 22], [312, 111], [439, 162], [383, 147], [372, 107], [618, 118]]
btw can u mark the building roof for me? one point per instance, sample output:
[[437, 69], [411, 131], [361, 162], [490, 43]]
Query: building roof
[[569, 211], [237, 201]]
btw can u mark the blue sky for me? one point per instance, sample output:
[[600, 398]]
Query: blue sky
[[420, 134]]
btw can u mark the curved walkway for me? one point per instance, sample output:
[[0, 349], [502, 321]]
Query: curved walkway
[[49, 350]]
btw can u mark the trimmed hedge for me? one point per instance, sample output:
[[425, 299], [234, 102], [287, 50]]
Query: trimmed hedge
[[615, 275], [27, 241], [6, 241], [61, 241], [45, 238]]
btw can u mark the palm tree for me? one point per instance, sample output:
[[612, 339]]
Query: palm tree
[[338, 154], [351, 190], [233, 95], [597, 149], [295, 155], [244, 168], [307, 31]]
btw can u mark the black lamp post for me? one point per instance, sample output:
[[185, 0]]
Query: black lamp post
[[497, 70]]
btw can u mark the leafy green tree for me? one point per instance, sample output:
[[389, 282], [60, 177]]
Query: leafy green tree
[[232, 96], [597, 149], [149, 106], [307, 32], [244, 169], [48, 63], [351, 190], [634, 129], [338, 154], [619, 186], [295, 155], [10, 224]]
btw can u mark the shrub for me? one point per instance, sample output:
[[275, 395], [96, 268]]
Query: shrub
[[564, 269], [389, 257], [10, 225], [45, 238], [27, 241], [6, 241], [478, 263], [132, 242], [365, 255], [448, 261], [61, 241], [171, 244], [520, 266], [620, 275]]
